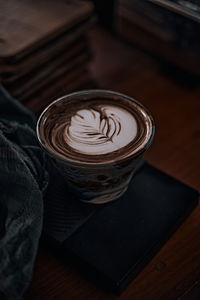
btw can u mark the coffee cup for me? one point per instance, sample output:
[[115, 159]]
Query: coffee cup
[[97, 139]]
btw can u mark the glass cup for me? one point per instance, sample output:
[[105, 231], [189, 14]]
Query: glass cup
[[101, 181]]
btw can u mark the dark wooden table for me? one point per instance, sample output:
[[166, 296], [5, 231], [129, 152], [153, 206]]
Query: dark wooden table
[[174, 273]]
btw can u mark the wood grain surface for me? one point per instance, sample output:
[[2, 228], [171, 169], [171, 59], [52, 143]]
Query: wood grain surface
[[28, 25], [11, 72], [175, 106], [46, 74]]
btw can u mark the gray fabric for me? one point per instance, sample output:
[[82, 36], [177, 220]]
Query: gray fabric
[[23, 180]]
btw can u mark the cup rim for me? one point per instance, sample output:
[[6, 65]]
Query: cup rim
[[144, 145]]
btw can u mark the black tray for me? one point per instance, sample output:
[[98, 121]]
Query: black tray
[[114, 241]]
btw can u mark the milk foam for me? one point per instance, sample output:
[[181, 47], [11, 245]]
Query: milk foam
[[100, 130]]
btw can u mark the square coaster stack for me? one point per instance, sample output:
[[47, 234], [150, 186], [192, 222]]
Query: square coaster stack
[[44, 51]]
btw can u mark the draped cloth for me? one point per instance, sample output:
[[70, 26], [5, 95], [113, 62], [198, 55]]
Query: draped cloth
[[23, 180]]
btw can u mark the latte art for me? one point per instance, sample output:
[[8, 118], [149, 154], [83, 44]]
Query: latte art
[[100, 130], [95, 130], [96, 139]]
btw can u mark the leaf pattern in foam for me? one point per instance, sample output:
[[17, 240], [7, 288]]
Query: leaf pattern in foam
[[90, 126]]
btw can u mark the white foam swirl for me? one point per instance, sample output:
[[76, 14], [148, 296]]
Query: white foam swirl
[[100, 130]]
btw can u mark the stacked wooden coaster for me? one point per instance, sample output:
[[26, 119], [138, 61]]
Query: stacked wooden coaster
[[44, 51]]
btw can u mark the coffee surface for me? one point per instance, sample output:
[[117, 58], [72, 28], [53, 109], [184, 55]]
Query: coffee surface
[[96, 130], [100, 130]]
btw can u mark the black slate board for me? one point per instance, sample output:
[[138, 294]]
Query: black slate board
[[114, 241]]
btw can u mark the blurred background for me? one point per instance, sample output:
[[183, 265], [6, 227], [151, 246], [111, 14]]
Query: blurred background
[[49, 48]]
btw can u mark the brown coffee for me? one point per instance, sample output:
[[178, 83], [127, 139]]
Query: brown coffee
[[96, 139], [95, 130]]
